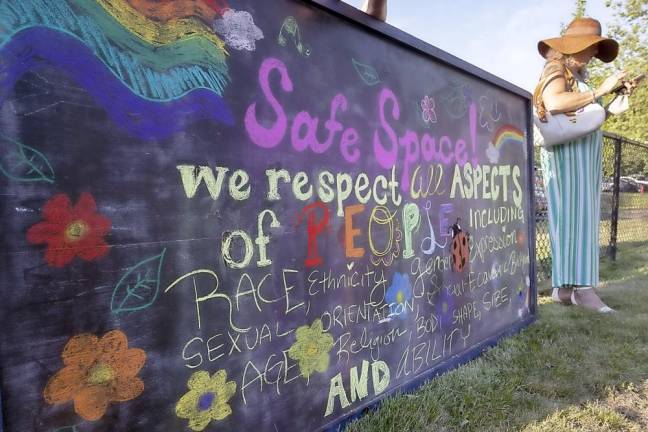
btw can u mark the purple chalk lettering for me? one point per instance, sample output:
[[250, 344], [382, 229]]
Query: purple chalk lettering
[[272, 136]]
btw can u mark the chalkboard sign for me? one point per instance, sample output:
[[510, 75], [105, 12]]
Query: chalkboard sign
[[265, 216]]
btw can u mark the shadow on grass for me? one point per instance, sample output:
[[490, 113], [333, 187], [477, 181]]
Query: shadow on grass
[[556, 375]]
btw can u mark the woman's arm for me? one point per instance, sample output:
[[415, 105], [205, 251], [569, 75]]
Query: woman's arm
[[557, 100], [376, 8]]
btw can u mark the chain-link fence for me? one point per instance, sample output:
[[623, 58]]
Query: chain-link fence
[[624, 201]]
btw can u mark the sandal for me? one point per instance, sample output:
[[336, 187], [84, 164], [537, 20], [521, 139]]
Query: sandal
[[603, 309]]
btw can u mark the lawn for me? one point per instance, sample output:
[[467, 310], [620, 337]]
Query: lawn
[[573, 370]]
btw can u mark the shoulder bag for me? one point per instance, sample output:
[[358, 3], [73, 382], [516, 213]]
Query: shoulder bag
[[552, 129]]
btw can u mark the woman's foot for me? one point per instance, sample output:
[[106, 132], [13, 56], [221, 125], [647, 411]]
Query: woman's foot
[[562, 295], [587, 297]]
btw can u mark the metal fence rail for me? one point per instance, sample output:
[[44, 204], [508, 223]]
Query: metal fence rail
[[624, 201]]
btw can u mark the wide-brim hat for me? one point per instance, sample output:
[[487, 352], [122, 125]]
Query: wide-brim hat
[[581, 34]]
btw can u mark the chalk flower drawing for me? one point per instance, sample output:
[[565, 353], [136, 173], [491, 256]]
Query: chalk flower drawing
[[97, 372], [206, 399], [238, 30], [428, 109], [71, 231], [312, 348], [444, 310], [521, 291], [399, 293], [492, 153]]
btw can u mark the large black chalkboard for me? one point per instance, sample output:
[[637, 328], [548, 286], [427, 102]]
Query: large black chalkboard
[[264, 217]]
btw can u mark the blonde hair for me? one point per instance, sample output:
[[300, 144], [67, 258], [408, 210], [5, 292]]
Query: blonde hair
[[567, 60]]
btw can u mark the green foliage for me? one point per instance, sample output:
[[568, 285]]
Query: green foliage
[[581, 7], [579, 12], [630, 29]]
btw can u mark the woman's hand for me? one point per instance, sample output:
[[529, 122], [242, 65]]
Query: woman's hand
[[610, 83], [631, 85]]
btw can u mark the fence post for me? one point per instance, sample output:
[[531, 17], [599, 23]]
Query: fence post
[[612, 248]]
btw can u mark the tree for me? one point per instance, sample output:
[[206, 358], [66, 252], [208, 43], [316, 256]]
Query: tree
[[581, 7], [580, 10], [631, 31]]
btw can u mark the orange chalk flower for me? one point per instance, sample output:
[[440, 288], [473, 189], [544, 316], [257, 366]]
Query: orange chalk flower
[[97, 372]]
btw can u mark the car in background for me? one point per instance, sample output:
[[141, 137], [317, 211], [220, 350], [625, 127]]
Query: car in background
[[628, 184], [641, 180]]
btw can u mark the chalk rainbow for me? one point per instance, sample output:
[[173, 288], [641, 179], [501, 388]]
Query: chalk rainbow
[[508, 133], [146, 119], [151, 76], [165, 10], [157, 33], [161, 62]]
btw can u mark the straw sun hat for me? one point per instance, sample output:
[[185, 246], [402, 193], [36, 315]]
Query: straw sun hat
[[581, 34]]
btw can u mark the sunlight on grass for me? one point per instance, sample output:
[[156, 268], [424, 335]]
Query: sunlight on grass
[[573, 370], [624, 409]]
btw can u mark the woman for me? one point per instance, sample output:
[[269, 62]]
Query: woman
[[572, 170]]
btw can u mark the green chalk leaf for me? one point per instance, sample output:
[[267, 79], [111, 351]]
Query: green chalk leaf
[[139, 287], [368, 74], [19, 162]]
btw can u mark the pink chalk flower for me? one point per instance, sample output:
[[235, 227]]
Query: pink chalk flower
[[428, 109]]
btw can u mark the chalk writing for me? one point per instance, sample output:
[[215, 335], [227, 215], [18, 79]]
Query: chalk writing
[[489, 111], [380, 377]]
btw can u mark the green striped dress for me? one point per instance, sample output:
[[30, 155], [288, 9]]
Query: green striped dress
[[572, 179]]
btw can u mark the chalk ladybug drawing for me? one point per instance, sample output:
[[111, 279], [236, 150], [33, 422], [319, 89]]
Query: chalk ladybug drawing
[[459, 247]]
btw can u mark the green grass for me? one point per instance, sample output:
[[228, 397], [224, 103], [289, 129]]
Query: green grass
[[626, 201], [573, 370]]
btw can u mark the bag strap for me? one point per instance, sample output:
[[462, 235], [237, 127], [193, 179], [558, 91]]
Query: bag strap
[[545, 80]]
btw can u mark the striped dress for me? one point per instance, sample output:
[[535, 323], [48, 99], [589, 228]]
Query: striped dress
[[572, 177]]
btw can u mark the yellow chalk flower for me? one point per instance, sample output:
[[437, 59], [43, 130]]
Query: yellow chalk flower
[[206, 400], [312, 348]]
